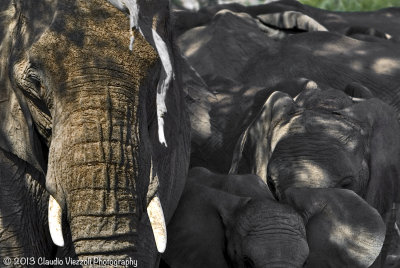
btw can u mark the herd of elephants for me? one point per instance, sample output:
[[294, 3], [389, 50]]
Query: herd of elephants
[[234, 136]]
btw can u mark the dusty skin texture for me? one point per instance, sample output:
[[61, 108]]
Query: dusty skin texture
[[90, 83]]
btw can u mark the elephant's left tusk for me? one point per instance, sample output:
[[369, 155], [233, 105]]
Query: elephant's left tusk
[[55, 213], [157, 221], [396, 227]]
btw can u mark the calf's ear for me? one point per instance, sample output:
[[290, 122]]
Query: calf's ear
[[228, 207], [259, 136], [342, 229]]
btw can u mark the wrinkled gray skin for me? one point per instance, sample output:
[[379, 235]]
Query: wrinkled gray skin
[[343, 230], [233, 221], [282, 18], [78, 118], [245, 66], [326, 139]]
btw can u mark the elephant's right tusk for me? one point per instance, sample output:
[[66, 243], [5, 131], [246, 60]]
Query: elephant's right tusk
[[55, 217], [357, 100], [157, 221]]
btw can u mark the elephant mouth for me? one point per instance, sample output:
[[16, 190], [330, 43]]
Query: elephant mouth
[[154, 210]]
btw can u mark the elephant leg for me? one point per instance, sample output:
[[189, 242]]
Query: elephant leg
[[23, 211], [393, 256], [389, 245]]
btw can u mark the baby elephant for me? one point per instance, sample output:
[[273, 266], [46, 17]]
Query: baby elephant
[[233, 221]]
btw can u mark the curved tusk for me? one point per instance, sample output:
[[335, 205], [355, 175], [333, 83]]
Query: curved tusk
[[157, 221], [55, 213]]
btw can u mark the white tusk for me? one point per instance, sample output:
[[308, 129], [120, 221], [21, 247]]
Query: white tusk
[[157, 221], [396, 227], [55, 227], [357, 100]]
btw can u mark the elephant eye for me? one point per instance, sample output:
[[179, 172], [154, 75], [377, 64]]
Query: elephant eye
[[33, 78], [272, 187], [248, 263], [29, 80], [346, 183]]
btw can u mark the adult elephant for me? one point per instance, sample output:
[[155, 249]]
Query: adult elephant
[[103, 128], [326, 139], [233, 221]]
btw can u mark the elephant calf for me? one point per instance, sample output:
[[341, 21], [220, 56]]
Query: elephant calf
[[233, 220], [224, 221]]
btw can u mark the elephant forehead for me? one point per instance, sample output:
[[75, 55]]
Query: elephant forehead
[[91, 33], [328, 126], [313, 159], [302, 173], [261, 218], [276, 232]]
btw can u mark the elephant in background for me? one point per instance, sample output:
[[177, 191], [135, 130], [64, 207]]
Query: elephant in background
[[233, 220], [282, 18], [244, 67], [92, 126], [326, 139]]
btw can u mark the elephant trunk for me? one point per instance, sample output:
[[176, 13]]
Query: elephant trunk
[[93, 171], [103, 222]]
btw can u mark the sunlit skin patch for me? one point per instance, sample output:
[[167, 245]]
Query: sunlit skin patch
[[386, 66], [360, 244]]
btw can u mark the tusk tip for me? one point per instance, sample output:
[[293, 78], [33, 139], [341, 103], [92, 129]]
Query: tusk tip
[[55, 214], [57, 241], [157, 221], [161, 246]]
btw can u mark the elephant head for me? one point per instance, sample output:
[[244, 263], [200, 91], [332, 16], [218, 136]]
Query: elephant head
[[104, 124], [325, 139], [233, 221]]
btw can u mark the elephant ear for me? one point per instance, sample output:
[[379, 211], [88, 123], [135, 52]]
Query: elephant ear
[[17, 134], [292, 20], [261, 136], [342, 229], [357, 90], [382, 129], [196, 233], [228, 205]]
